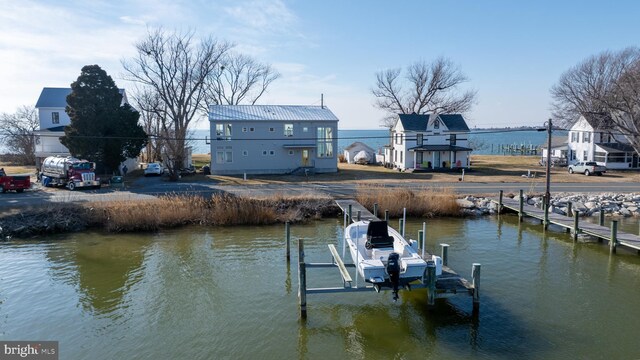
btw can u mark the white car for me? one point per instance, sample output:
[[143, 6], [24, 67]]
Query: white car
[[153, 169]]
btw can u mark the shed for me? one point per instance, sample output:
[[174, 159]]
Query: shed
[[352, 150]]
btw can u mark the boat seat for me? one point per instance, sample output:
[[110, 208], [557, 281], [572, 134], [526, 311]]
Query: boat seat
[[378, 235]]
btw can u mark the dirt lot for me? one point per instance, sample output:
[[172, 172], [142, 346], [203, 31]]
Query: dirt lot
[[484, 168]]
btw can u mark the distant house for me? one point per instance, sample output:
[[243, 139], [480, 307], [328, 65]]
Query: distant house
[[592, 138], [356, 148], [51, 111], [559, 150], [272, 139], [428, 142]]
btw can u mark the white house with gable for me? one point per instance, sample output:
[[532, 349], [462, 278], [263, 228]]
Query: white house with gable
[[272, 139], [53, 118], [351, 152], [592, 138], [429, 141]]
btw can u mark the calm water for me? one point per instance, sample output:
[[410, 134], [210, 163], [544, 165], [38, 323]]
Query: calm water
[[227, 293]]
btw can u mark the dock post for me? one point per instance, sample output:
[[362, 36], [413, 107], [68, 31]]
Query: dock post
[[386, 215], [287, 230], [302, 280], [546, 215], [424, 238], [401, 227], [569, 209], [349, 213], [576, 229], [375, 209], [499, 199], [475, 275], [445, 254], [601, 216], [613, 242], [421, 238], [404, 220], [431, 284], [521, 208], [358, 216]]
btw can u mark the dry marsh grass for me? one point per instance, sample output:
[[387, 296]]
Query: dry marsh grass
[[423, 203]]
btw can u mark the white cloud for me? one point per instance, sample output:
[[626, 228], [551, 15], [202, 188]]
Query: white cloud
[[263, 15]]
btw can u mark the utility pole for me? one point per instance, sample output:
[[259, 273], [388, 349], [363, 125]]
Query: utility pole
[[547, 194]]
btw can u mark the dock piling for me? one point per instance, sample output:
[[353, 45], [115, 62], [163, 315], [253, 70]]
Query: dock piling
[[521, 207], [401, 226], [576, 229], [424, 238], [386, 215], [421, 238], [302, 280], [613, 241], [475, 275], [445, 254], [375, 209], [358, 215], [499, 199], [287, 230], [349, 213], [601, 216], [569, 209], [431, 283]]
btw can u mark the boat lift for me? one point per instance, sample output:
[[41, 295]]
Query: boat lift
[[446, 285]]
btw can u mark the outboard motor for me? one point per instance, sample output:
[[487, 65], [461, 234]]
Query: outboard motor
[[393, 269]]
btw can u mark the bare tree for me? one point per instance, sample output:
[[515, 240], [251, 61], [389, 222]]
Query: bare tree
[[426, 88], [149, 105], [17, 133], [605, 86], [175, 67], [239, 79]]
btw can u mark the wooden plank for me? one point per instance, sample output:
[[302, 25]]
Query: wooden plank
[[343, 270]]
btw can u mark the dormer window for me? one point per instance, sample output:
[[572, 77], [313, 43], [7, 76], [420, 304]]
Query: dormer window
[[436, 124], [55, 117]]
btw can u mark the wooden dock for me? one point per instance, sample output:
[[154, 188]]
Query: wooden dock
[[572, 224], [446, 285]]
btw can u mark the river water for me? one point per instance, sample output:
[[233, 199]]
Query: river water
[[227, 293]]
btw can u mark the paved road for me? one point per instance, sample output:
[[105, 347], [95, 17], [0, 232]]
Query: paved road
[[148, 188]]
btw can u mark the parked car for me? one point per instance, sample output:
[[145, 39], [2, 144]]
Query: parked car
[[587, 168], [153, 169]]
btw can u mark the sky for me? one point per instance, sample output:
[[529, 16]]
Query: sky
[[513, 52]]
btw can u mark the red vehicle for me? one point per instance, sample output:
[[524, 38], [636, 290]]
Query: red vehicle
[[16, 183], [69, 172]]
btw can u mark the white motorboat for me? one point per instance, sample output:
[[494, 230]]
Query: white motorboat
[[383, 256]]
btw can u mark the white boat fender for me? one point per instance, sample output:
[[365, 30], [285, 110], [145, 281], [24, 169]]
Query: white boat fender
[[393, 269]]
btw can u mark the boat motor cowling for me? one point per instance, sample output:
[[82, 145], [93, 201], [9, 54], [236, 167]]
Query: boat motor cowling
[[393, 269]]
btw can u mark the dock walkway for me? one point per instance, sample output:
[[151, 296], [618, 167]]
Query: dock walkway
[[572, 224]]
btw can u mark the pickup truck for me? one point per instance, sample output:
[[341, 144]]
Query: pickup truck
[[17, 183], [587, 168]]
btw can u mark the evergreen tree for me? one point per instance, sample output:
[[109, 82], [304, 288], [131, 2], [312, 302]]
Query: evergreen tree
[[101, 130]]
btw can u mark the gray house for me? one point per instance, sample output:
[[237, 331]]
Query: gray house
[[272, 139]]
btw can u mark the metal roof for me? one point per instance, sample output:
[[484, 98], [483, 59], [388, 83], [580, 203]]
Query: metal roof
[[415, 122], [270, 112], [615, 147], [57, 97]]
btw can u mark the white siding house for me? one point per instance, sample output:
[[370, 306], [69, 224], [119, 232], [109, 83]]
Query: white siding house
[[591, 138], [53, 118], [272, 139], [559, 150], [421, 142], [352, 150]]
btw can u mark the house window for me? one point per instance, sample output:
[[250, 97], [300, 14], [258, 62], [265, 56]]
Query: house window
[[55, 117], [223, 131], [244, 129], [288, 130], [587, 137], [325, 142], [436, 124], [290, 152], [573, 136], [272, 129], [264, 152], [600, 157], [616, 158], [272, 153], [252, 129], [305, 129], [224, 155], [584, 156], [452, 139], [245, 153], [419, 139], [398, 139]]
